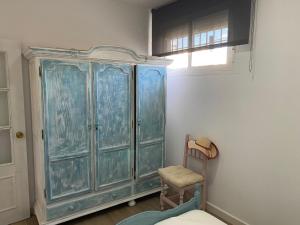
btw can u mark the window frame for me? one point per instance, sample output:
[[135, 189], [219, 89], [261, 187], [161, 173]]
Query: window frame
[[219, 69]]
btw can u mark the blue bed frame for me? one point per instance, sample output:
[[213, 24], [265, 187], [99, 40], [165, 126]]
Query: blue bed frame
[[152, 217]]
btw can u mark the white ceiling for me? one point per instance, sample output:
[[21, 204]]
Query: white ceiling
[[148, 3]]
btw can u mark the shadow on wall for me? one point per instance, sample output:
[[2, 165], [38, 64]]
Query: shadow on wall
[[213, 166]]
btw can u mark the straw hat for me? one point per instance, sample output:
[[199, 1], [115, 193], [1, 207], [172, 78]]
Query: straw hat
[[207, 147]]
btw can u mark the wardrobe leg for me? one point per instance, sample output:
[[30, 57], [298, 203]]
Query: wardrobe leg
[[131, 203]]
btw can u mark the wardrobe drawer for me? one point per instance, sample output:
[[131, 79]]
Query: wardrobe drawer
[[66, 208], [147, 185]]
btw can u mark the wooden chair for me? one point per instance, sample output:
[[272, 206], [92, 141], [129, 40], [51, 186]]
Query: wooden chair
[[181, 179]]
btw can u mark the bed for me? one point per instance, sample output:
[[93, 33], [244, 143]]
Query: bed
[[185, 214]]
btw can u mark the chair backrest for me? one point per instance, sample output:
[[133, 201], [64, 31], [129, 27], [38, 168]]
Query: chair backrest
[[195, 154]]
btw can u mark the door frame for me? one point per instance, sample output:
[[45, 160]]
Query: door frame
[[17, 170]]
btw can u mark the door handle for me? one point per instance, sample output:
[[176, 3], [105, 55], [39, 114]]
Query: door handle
[[19, 135]]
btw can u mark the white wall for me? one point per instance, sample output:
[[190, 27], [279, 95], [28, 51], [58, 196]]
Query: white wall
[[255, 123], [78, 24]]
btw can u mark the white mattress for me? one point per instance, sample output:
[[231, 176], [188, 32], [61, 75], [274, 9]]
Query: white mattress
[[194, 217]]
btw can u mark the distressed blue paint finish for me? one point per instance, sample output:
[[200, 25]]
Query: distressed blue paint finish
[[112, 96], [113, 166], [146, 185], [69, 176], [153, 217], [66, 119], [68, 208], [66, 107], [151, 158], [150, 119]]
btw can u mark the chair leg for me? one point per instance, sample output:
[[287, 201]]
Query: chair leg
[[181, 194], [162, 194], [204, 196]]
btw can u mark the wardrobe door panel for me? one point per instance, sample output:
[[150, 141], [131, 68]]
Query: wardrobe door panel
[[113, 166], [66, 128], [150, 157], [150, 119], [112, 99], [69, 176]]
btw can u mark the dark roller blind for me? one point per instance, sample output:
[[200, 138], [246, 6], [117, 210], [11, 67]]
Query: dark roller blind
[[190, 25]]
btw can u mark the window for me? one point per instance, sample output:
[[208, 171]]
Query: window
[[210, 37], [193, 25], [207, 57], [179, 61], [178, 44], [217, 56]]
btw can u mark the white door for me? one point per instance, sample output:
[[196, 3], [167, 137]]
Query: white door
[[14, 195]]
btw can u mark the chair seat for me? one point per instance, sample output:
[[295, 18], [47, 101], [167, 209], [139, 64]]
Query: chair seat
[[180, 176]]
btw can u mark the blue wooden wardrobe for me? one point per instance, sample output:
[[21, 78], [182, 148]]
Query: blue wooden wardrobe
[[98, 127]]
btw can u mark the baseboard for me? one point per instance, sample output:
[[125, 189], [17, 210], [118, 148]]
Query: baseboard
[[226, 216]]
